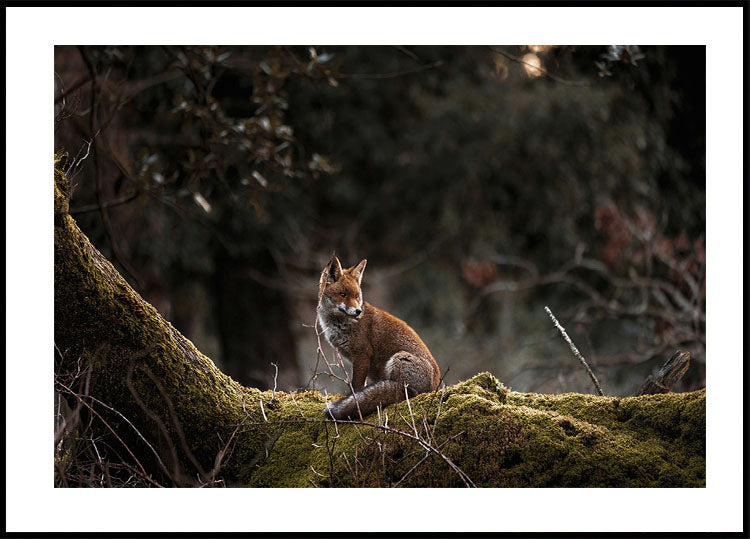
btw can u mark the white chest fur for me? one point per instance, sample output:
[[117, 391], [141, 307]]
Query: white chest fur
[[336, 330]]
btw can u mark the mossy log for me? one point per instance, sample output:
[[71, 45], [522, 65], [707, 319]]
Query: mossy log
[[193, 421]]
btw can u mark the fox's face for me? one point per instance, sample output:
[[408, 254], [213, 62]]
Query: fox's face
[[340, 289]]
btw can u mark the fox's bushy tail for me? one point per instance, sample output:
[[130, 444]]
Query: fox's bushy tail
[[368, 398]]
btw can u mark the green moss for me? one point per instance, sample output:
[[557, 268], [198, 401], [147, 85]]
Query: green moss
[[483, 385], [501, 438]]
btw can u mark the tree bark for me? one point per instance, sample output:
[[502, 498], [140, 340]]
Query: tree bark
[[667, 376], [186, 423]]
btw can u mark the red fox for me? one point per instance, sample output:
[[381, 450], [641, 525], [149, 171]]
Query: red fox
[[388, 357]]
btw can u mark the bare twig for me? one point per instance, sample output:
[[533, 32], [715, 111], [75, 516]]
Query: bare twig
[[575, 350], [411, 414], [164, 468], [107, 425], [427, 454], [222, 453], [291, 394], [74, 167], [275, 375]]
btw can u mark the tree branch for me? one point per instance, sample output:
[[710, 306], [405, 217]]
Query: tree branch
[[575, 351]]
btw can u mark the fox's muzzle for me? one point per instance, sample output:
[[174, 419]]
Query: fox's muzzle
[[352, 311]]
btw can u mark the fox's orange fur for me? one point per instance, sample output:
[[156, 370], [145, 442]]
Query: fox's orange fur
[[388, 357]]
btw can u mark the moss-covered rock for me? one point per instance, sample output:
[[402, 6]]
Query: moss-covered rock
[[195, 417]]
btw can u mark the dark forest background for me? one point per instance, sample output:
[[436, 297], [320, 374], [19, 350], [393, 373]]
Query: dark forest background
[[481, 183]]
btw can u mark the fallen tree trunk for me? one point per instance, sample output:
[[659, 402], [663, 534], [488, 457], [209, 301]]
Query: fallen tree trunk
[[165, 408]]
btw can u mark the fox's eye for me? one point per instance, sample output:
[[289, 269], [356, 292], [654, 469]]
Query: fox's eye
[[342, 294], [356, 296]]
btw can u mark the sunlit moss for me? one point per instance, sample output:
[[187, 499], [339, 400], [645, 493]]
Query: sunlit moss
[[503, 438]]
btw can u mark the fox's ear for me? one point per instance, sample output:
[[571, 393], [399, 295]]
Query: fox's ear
[[358, 270], [333, 271]]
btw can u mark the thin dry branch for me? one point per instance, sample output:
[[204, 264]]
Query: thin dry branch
[[94, 399], [107, 425], [575, 350]]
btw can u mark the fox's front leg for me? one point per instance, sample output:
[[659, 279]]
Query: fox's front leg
[[347, 406], [360, 368]]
